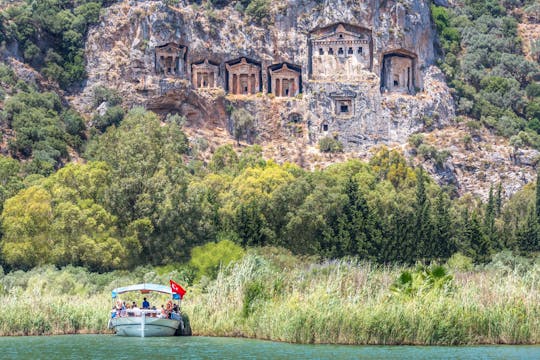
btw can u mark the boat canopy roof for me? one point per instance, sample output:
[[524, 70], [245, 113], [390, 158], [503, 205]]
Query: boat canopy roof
[[144, 288]]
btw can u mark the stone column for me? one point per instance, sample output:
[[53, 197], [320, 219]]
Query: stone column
[[257, 85]]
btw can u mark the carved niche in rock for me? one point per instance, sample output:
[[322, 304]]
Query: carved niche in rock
[[398, 72], [170, 59], [285, 80], [340, 52], [204, 74], [343, 103], [243, 77]]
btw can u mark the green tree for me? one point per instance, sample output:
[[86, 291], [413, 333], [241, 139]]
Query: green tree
[[149, 181], [424, 246], [442, 228], [243, 125], [208, 258], [489, 219]]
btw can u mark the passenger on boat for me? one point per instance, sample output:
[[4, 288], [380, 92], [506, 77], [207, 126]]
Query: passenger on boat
[[163, 312], [145, 304], [129, 311], [136, 310], [175, 308], [118, 308], [169, 308]]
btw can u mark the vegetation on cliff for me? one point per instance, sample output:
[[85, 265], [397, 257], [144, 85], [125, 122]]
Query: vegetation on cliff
[[493, 81]]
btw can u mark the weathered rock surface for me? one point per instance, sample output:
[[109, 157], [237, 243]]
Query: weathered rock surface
[[120, 53]]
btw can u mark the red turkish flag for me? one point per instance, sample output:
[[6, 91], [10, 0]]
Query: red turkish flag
[[177, 289]]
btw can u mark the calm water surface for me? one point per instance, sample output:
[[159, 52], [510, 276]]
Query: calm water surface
[[113, 347]]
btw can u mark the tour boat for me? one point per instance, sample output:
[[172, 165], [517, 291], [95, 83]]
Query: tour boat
[[146, 322]]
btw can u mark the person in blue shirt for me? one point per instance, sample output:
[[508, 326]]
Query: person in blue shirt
[[145, 304]]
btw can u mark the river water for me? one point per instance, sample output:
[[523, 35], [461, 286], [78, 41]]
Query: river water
[[115, 347]]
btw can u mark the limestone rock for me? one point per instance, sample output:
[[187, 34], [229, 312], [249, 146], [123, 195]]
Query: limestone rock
[[367, 71]]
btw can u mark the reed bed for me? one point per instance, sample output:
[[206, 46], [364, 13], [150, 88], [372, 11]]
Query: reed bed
[[347, 302], [284, 298]]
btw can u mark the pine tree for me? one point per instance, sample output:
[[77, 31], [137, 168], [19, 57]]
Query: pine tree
[[489, 219], [442, 228], [423, 230], [358, 222], [498, 201], [478, 242], [538, 195], [527, 234]]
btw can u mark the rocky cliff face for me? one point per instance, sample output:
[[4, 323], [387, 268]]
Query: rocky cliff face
[[379, 94], [121, 54]]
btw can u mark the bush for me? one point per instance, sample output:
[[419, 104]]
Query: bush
[[415, 140], [243, 125], [207, 259], [258, 9], [113, 116], [330, 145], [104, 94], [51, 26], [460, 262]]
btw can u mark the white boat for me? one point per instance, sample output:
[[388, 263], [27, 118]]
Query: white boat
[[145, 322]]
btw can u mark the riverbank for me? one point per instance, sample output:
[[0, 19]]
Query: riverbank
[[276, 296]]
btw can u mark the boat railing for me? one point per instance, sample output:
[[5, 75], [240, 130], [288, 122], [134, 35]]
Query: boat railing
[[146, 312]]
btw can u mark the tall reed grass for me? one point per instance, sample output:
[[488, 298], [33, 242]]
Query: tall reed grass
[[270, 294], [349, 302]]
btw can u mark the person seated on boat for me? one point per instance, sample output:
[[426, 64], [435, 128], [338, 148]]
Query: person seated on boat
[[136, 310], [163, 312], [123, 312], [128, 310], [145, 304], [118, 307], [169, 309], [175, 308]]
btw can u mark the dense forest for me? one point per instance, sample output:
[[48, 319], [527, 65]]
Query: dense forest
[[140, 193], [142, 198]]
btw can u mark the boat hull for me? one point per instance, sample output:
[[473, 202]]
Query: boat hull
[[142, 326]]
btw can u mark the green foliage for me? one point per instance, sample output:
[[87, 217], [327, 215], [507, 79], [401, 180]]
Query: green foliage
[[112, 117], [330, 145], [253, 292], [43, 129], [224, 159], [60, 222], [243, 125], [149, 182], [104, 94], [415, 140], [209, 258], [485, 64], [258, 9], [51, 35], [422, 281], [460, 262]]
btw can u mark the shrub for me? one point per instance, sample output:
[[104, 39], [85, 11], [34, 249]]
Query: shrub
[[113, 116], [330, 145], [243, 124], [207, 259], [104, 94], [460, 262], [415, 140], [258, 9]]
